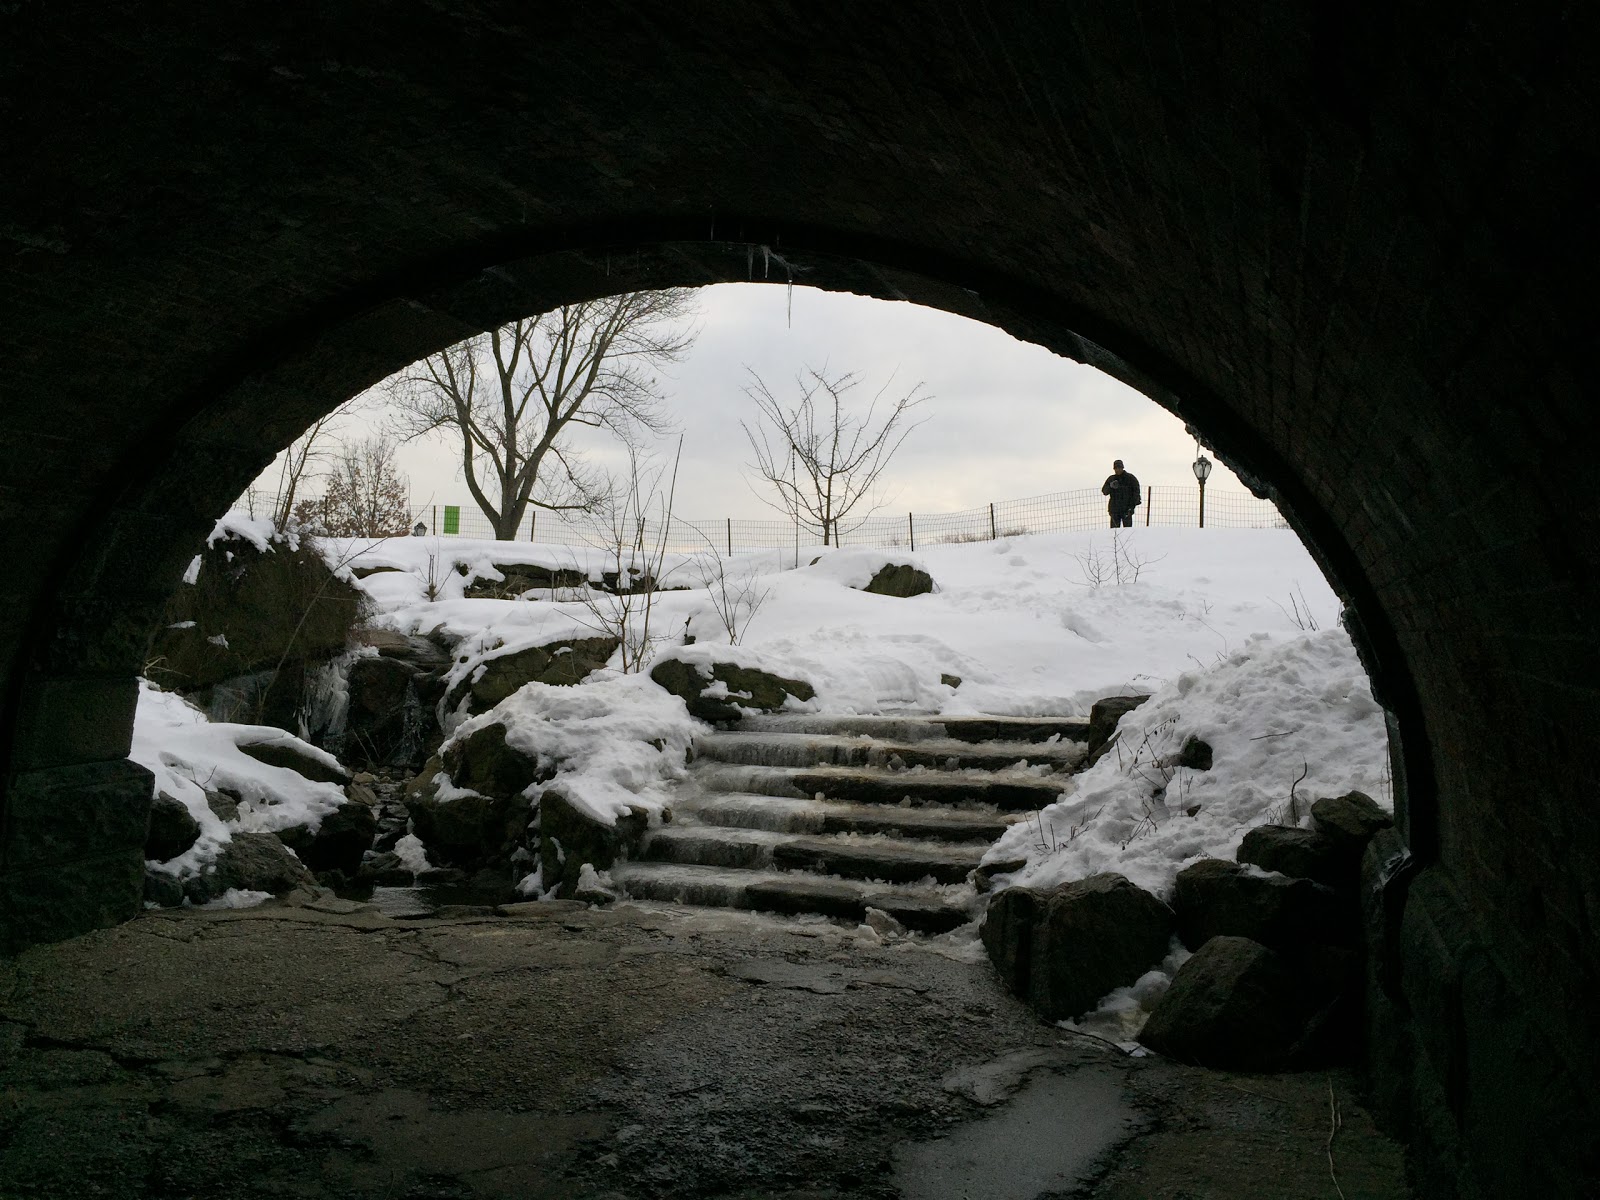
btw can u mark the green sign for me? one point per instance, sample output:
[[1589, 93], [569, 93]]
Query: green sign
[[452, 518]]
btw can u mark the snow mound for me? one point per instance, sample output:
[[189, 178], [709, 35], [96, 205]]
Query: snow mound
[[614, 741], [854, 567], [1280, 716], [189, 756]]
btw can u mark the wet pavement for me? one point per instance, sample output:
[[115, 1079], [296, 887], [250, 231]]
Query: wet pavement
[[335, 1050]]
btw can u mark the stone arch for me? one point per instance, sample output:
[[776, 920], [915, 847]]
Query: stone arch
[[1351, 245]]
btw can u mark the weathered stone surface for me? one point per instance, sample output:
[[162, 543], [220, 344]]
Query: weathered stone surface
[[1217, 898], [392, 717], [1007, 933], [1084, 940], [1238, 1005], [1303, 853], [570, 837], [250, 862], [288, 754], [748, 687], [484, 762], [62, 900], [251, 612], [471, 831], [564, 662], [66, 813], [163, 889], [339, 842], [172, 829], [900, 579], [1103, 717], [1349, 821]]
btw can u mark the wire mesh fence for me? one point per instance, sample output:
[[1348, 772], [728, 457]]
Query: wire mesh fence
[[1056, 512]]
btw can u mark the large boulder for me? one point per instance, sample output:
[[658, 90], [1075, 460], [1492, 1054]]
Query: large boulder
[[1302, 853], [562, 662], [339, 841], [484, 828], [900, 579], [731, 687], [569, 838], [251, 862], [1238, 1005], [172, 830], [253, 626], [1349, 822], [1103, 717], [484, 762], [1062, 951], [1217, 898]]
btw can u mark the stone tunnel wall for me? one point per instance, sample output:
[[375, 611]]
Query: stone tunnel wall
[[1348, 242]]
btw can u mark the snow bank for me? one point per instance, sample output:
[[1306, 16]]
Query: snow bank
[[1272, 711], [189, 756], [614, 741]]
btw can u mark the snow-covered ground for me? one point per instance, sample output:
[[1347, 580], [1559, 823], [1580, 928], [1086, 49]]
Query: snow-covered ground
[[1233, 631]]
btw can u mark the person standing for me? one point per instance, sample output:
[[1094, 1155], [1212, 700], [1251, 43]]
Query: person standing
[[1123, 488]]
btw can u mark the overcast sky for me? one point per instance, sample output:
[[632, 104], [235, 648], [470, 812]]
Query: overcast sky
[[1005, 419]]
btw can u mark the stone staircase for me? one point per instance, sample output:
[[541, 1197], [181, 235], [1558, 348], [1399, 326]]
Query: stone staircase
[[836, 815]]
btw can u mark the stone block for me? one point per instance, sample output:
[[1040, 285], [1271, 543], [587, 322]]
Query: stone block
[[74, 719], [69, 813], [53, 903]]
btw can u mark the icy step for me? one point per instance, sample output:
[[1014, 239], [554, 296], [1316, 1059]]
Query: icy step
[[924, 728], [888, 859], [787, 814], [1011, 792], [924, 910], [842, 750]]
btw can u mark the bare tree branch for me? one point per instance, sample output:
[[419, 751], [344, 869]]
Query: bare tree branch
[[820, 459], [513, 395]]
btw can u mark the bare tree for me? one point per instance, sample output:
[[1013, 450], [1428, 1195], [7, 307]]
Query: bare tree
[[513, 396], [636, 560], [821, 459], [366, 495]]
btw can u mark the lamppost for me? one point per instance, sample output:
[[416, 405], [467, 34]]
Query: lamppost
[[1202, 469]]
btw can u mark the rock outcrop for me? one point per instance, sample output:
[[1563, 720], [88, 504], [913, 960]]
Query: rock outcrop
[[717, 691], [562, 662], [900, 579], [242, 639]]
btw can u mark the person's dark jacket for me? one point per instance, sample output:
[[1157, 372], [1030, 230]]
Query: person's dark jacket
[[1124, 492]]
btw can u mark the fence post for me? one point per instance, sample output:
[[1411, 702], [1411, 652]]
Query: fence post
[[533, 523], [730, 537], [992, 534], [435, 525], [912, 526], [1149, 499]]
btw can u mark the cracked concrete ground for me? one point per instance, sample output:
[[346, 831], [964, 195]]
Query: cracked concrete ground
[[565, 1052]]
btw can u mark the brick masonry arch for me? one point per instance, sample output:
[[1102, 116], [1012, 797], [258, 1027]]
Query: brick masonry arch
[[1349, 243]]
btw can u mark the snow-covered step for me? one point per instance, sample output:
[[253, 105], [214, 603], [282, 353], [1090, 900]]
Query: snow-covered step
[[780, 749], [926, 910], [787, 814], [1014, 791], [891, 860], [924, 728]]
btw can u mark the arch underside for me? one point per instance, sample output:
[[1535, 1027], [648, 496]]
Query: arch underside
[[1350, 247]]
